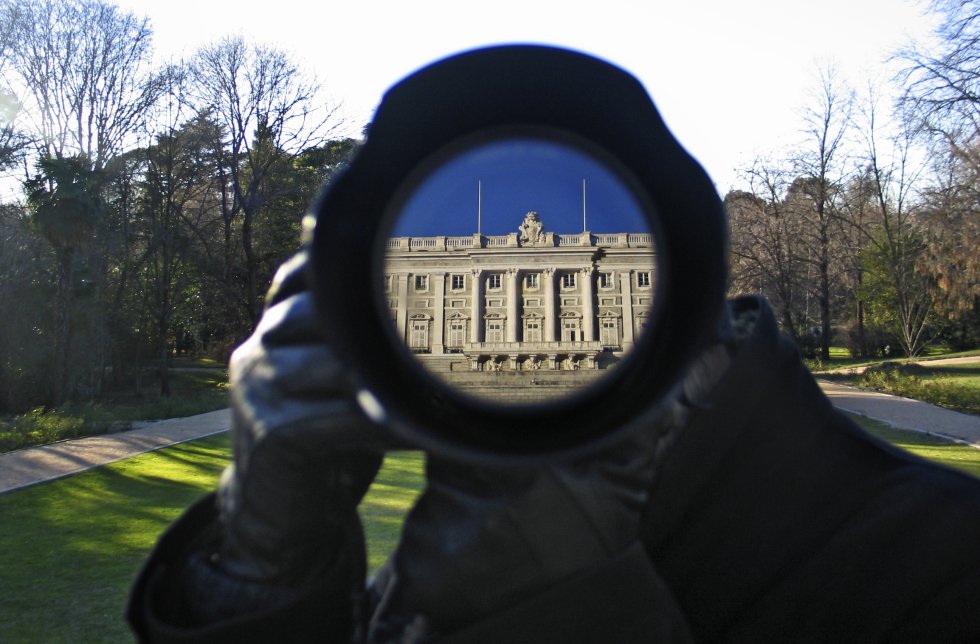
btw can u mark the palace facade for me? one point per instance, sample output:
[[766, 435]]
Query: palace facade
[[530, 301]]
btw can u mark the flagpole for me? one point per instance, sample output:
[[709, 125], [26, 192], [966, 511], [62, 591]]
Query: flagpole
[[479, 207], [584, 227]]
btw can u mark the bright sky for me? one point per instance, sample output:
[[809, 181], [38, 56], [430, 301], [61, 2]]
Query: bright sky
[[502, 179], [730, 77]]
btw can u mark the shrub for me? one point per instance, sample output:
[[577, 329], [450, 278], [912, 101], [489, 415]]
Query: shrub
[[908, 380], [40, 426], [876, 341]]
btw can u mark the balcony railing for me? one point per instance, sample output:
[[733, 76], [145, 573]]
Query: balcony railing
[[550, 240], [532, 347]]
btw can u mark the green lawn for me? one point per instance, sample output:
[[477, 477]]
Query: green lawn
[[840, 358], [393, 493], [955, 455], [955, 386], [70, 549], [964, 374]]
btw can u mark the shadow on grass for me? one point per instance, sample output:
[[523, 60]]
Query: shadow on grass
[[954, 455], [195, 458], [70, 549], [383, 509], [966, 372]]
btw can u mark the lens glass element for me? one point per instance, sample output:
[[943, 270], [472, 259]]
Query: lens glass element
[[519, 270]]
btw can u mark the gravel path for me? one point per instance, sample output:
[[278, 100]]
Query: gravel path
[[905, 413], [33, 465], [928, 362]]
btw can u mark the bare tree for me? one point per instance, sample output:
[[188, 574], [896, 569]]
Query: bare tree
[[859, 208], [269, 112], [942, 101], [8, 102], [12, 141], [826, 119], [942, 84], [767, 244], [176, 196], [81, 70], [951, 218], [895, 237]]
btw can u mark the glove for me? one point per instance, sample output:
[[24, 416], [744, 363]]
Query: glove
[[304, 455], [482, 540]]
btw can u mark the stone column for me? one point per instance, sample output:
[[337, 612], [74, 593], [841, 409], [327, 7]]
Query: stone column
[[626, 291], [513, 313], [438, 313], [401, 313], [476, 307], [588, 305], [550, 310]]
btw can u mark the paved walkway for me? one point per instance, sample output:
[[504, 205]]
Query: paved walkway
[[905, 413], [925, 362], [34, 465], [39, 464]]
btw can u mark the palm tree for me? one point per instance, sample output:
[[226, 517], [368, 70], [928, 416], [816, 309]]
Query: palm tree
[[65, 206]]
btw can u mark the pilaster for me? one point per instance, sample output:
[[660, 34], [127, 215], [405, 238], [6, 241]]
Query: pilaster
[[550, 321], [626, 290], [513, 318], [588, 304], [401, 313], [438, 313], [476, 306]]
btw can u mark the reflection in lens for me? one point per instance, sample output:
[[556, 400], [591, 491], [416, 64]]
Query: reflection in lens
[[496, 281]]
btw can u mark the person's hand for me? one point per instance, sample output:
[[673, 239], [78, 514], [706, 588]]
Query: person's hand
[[482, 540], [304, 455]]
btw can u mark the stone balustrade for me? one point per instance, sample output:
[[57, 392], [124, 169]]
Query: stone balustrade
[[532, 347], [550, 240]]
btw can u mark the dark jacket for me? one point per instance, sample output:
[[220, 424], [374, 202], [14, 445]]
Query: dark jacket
[[772, 518]]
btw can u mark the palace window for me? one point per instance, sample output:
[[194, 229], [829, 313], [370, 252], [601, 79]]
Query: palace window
[[531, 281], [568, 280], [418, 340], [570, 331], [609, 333], [605, 280], [457, 335], [495, 331], [458, 282], [532, 330], [421, 282], [493, 281], [643, 279]]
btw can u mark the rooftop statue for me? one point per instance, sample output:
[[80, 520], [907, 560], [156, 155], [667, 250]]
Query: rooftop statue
[[531, 230]]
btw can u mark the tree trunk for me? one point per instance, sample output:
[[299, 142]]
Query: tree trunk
[[164, 354], [824, 290], [862, 339], [62, 328], [251, 271]]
